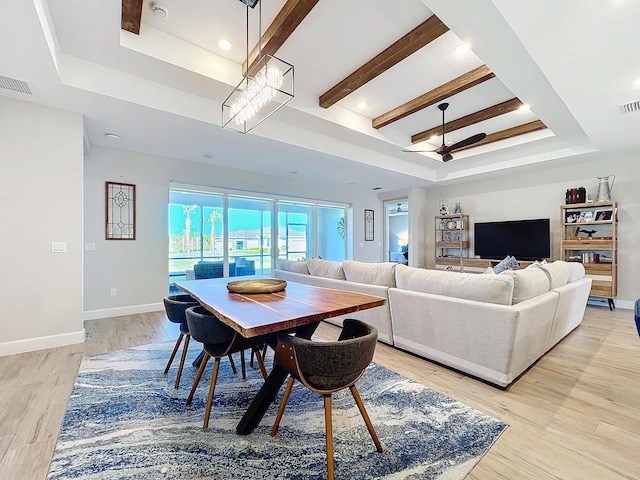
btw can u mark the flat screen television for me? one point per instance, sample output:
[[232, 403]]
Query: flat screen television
[[523, 239]]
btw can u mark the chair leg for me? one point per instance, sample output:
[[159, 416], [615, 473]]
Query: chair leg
[[212, 389], [251, 358], [233, 364], [365, 416], [196, 381], [182, 359], [244, 366], [263, 369], [173, 354], [283, 404], [328, 427]]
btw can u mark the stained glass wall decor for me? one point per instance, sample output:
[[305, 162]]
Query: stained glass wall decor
[[120, 211]]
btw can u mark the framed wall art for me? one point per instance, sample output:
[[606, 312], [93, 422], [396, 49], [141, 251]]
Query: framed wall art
[[368, 225], [120, 211]]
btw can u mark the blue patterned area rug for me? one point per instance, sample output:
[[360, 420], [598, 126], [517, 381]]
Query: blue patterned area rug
[[125, 421]]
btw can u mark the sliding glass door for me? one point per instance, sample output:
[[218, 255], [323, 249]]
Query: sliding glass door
[[249, 244], [233, 235]]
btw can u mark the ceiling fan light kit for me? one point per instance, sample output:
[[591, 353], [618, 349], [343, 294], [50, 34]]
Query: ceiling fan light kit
[[445, 150], [266, 87]]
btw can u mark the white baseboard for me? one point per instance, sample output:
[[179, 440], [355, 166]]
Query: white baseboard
[[119, 311], [624, 304], [40, 343]]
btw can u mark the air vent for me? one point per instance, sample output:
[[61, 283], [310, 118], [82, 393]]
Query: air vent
[[630, 107], [14, 84]]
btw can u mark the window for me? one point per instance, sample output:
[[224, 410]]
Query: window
[[237, 231], [294, 224]]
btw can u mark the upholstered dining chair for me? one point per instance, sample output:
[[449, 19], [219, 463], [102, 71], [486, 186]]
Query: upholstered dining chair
[[175, 307], [328, 367], [219, 340]]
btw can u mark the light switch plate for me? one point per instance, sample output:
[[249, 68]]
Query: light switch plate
[[59, 247]]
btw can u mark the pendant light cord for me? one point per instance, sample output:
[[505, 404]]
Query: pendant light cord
[[259, 29], [247, 7]]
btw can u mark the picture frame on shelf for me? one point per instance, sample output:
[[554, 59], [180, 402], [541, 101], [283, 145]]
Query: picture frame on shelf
[[571, 217], [603, 215], [588, 216]]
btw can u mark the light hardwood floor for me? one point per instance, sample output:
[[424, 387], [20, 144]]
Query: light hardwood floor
[[574, 415]]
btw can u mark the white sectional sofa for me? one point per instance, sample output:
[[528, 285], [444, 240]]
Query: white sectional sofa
[[492, 327]]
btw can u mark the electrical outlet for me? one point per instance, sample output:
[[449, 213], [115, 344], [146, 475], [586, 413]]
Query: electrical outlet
[[113, 291]]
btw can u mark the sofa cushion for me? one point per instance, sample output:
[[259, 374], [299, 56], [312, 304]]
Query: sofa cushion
[[527, 283], [576, 271], [508, 263], [292, 266], [326, 268], [558, 273], [496, 289], [383, 274]]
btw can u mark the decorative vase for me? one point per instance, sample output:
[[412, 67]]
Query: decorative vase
[[457, 208], [604, 188]]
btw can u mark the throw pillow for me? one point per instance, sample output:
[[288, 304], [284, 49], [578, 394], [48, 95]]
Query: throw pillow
[[490, 271], [509, 263], [537, 264]]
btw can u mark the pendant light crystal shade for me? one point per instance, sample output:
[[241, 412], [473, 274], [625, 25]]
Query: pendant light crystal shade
[[267, 86]]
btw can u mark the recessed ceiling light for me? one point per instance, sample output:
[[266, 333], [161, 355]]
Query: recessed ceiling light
[[523, 108], [362, 105], [224, 44], [636, 83], [159, 10], [462, 48], [376, 188], [433, 138], [112, 136]]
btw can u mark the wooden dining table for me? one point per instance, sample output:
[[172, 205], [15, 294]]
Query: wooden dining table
[[297, 309]]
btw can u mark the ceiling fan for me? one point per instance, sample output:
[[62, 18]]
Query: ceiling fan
[[445, 150]]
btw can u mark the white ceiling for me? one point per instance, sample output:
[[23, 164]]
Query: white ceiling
[[574, 62]]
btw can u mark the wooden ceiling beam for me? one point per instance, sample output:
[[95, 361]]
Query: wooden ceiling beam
[[508, 133], [437, 95], [285, 23], [413, 41], [131, 16], [480, 116]]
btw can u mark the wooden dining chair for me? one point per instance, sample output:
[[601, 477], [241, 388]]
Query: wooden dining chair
[[328, 367], [219, 340]]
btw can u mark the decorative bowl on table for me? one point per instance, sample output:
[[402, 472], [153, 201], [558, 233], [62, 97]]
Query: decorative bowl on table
[[257, 285]]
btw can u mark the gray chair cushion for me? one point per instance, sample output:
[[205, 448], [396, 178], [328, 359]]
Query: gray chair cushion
[[335, 365]]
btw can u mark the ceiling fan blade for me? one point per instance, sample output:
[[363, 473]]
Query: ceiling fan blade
[[417, 151], [463, 143]]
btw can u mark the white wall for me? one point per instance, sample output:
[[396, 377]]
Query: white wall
[[138, 269], [41, 198], [40, 202], [539, 195]]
